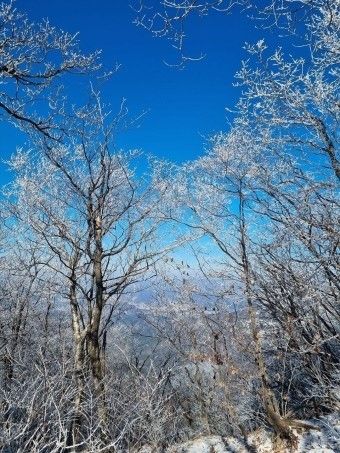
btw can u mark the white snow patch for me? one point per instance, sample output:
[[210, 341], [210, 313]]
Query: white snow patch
[[205, 444], [324, 440]]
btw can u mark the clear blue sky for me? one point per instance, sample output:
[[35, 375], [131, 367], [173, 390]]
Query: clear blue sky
[[183, 106]]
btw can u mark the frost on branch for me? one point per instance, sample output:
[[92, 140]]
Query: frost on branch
[[33, 57]]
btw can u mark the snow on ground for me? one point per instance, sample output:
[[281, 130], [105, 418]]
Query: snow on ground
[[327, 440], [324, 440]]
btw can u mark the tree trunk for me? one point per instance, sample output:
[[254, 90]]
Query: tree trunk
[[74, 436], [94, 349], [270, 404]]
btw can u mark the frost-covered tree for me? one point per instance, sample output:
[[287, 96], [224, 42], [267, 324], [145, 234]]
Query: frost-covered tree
[[33, 57], [169, 18], [293, 104], [267, 195], [98, 227], [296, 97], [232, 177]]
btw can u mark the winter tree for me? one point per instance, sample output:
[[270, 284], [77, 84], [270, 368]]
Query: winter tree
[[33, 58], [98, 226]]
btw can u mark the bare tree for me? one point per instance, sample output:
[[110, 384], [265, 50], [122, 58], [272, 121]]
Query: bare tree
[[98, 225], [169, 18], [33, 58], [272, 222]]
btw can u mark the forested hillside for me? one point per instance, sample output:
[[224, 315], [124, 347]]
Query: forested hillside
[[150, 305]]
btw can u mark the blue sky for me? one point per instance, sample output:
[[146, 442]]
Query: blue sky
[[183, 107]]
